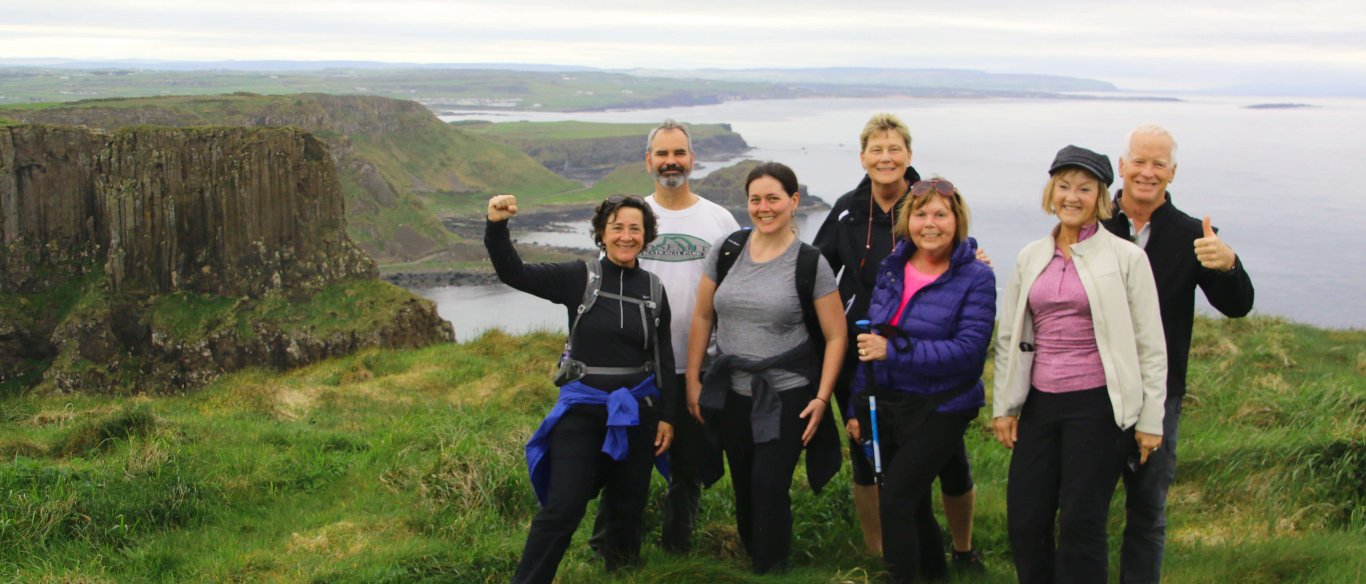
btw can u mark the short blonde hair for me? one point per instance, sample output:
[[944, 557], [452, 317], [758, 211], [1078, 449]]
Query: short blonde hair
[[910, 204], [1104, 206], [883, 122]]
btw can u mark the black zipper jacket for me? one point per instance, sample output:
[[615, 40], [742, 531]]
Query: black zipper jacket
[[1170, 249], [848, 243]]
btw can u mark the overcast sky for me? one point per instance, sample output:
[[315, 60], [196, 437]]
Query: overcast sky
[[1147, 45]]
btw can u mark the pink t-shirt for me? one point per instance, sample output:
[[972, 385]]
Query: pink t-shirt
[[914, 282], [1065, 354]]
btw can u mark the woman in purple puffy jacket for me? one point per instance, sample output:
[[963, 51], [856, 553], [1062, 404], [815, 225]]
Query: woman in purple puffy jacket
[[932, 312]]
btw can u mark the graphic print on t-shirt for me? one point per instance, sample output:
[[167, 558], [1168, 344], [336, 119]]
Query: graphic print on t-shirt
[[676, 247]]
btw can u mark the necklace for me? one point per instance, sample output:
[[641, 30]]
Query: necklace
[[868, 239]]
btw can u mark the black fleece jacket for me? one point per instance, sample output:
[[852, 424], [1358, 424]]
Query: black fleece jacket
[[610, 334], [1171, 252], [848, 241]]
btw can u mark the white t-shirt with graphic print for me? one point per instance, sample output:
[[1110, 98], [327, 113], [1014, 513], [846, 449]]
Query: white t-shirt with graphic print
[[677, 256]]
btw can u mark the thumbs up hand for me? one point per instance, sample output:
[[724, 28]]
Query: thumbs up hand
[[1212, 252]]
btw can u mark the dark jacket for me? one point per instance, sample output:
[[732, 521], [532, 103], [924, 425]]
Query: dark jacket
[[609, 335], [1170, 250], [947, 327], [846, 241]]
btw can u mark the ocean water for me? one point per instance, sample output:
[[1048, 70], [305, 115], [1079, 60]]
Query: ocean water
[[1279, 183]]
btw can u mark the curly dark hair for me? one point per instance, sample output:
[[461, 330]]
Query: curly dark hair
[[608, 207]]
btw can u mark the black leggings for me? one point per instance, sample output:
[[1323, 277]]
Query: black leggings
[[955, 479], [912, 457], [578, 470], [762, 476]]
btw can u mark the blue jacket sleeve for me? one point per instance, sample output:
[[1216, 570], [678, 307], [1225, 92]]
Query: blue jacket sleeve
[[966, 351]]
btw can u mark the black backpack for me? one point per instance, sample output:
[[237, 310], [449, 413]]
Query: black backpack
[[807, 258]]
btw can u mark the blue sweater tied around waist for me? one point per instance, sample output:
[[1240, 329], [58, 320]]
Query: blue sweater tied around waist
[[623, 411]]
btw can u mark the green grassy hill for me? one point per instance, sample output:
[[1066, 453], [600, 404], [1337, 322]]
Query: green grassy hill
[[400, 167], [404, 466], [455, 88], [590, 151]]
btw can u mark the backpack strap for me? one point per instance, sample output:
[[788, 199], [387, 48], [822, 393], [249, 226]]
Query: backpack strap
[[649, 314], [808, 260], [730, 251], [656, 307], [590, 295]]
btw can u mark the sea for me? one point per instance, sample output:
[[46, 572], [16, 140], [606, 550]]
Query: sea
[[1280, 183]]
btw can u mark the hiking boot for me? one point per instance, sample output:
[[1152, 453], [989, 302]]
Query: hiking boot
[[968, 562]]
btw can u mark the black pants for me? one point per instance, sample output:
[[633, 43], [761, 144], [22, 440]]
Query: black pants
[[913, 455], [578, 470], [762, 477], [1145, 505], [686, 455], [1065, 468], [858, 463]]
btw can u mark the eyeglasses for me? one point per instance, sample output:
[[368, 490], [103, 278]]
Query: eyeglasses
[[619, 199], [939, 185]]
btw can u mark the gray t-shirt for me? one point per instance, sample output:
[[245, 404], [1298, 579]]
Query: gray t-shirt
[[758, 313]]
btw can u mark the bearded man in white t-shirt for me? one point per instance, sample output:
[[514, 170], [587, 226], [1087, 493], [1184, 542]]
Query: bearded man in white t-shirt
[[689, 226]]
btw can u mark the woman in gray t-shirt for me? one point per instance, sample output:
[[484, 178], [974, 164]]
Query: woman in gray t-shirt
[[768, 386]]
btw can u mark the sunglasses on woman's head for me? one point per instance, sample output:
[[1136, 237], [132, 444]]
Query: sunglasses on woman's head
[[941, 186], [619, 199]]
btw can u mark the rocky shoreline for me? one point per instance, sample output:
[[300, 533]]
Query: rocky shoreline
[[420, 280]]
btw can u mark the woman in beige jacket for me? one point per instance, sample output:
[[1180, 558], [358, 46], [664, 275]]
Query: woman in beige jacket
[[1080, 379]]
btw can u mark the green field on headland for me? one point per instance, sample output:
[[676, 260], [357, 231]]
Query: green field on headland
[[436, 88], [403, 466]]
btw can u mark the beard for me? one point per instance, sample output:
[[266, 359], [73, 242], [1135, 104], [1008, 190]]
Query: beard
[[671, 181]]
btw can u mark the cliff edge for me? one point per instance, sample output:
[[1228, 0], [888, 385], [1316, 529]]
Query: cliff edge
[[150, 258]]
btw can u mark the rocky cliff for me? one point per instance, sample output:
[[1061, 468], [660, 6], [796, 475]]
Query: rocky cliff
[[227, 211], [399, 166], [158, 257]]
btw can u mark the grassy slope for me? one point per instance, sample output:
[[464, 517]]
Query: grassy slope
[[629, 179], [407, 465], [455, 88]]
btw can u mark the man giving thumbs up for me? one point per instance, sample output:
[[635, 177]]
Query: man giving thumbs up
[[1148, 218]]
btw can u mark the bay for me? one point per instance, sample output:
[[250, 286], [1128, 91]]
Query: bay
[[1279, 183]]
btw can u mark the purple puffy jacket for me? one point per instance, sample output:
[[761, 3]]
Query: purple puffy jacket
[[947, 328]]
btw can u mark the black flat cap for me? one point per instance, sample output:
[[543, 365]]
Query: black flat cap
[[1076, 156]]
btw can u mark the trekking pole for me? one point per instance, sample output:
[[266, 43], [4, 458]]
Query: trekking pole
[[864, 325]]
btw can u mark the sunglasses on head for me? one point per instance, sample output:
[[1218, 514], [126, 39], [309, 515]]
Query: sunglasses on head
[[619, 199], [938, 185]]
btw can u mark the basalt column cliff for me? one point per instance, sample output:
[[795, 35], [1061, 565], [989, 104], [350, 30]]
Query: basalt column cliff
[[159, 257]]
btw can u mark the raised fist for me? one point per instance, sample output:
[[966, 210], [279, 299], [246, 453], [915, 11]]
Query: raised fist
[[501, 207]]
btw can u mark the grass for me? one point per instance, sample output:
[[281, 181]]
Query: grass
[[344, 307], [458, 88], [630, 179], [402, 466]]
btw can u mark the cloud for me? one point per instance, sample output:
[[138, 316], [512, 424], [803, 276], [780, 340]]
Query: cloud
[[1165, 42]]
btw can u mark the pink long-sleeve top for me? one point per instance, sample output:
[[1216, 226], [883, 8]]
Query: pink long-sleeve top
[[1065, 354]]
